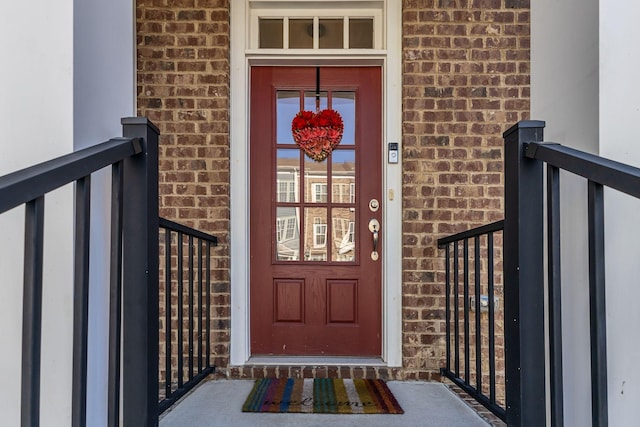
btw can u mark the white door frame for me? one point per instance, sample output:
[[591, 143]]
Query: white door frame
[[390, 59]]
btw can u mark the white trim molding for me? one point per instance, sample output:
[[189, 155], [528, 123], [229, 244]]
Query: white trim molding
[[242, 58]]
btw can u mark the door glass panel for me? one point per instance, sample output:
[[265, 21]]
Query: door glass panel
[[287, 106], [301, 33], [331, 32], [343, 176], [287, 234], [288, 176], [315, 180], [270, 33], [322, 230], [315, 234], [310, 101], [361, 33], [345, 104], [343, 234]]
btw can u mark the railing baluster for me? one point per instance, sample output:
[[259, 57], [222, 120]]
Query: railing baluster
[[115, 296], [456, 320], [167, 309], [477, 317], [597, 306], [32, 312], [555, 296], [180, 311], [492, 320], [200, 334], [190, 308], [466, 310], [208, 321], [447, 285], [81, 302]]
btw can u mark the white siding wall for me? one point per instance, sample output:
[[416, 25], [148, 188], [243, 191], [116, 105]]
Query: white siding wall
[[104, 92], [564, 93], [66, 79], [583, 69], [619, 114], [36, 122]]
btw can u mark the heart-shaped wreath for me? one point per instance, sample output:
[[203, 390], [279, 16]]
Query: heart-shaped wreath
[[317, 133]]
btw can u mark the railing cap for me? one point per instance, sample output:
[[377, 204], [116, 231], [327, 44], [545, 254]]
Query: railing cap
[[524, 124], [139, 121]]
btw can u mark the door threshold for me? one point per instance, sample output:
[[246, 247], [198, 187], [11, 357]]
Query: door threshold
[[316, 360]]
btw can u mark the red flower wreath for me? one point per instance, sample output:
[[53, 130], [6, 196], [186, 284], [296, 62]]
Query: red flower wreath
[[317, 133]]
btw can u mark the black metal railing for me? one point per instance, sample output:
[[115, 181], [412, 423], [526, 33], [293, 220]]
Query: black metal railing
[[599, 173], [473, 284], [525, 263], [133, 272], [186, 287]]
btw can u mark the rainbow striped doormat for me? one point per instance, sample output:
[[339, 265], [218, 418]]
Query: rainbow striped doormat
[[322, 395]]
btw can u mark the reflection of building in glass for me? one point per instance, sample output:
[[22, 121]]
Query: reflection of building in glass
[[343, 233], [287, 217], [288, 234], [315, 236], [337, 204]]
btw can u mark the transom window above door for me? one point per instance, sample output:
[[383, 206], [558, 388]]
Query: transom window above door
[[316, 25]]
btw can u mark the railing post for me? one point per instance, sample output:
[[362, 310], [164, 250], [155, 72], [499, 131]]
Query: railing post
[[140, 278], [524, 279]]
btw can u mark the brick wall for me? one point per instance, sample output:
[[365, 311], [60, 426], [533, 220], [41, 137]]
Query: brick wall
[[183, 87], [466, 79]]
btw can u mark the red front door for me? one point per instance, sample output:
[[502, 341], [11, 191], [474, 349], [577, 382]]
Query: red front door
[[315, 284]]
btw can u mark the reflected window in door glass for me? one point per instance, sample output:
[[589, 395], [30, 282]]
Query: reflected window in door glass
[[310, 100], [287, 234], [315, 234], [287, 106], [301, 33], [345, 104], [288, 176], [270, 33], [331, 33], [343, 176], [361, 33], [315, 181], [343, 247]]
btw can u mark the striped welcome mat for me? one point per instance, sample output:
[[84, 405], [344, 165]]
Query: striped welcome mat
[[322, 395]]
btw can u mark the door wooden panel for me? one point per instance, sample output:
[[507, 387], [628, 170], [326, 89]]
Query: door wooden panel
[[342, 301], [315, 289], [289, 301]]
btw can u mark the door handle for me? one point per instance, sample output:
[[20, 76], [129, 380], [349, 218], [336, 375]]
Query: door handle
[[375, 241], [374, 227]]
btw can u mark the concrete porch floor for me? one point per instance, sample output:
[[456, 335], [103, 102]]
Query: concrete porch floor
[[218, 403]]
